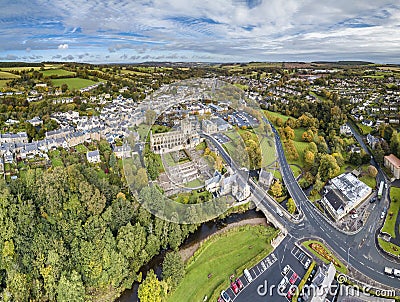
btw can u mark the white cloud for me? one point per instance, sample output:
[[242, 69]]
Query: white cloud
[[63, 46]]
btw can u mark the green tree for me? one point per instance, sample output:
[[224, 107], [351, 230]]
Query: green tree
[[70, 288], [151, 289], [150, 116], [173, 269], [291, 206], [328, 167]]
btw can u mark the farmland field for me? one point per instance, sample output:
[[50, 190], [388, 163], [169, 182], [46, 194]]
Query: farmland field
[[6, 75], [57, 72], [3, 83], [73, 83]]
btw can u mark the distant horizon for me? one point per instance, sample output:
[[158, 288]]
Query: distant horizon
[[103, 32], [339, 62]]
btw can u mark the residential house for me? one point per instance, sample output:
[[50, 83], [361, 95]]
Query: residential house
[[393, 164], [93, 156]]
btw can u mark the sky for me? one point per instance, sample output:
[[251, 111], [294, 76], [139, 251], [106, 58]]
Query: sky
[[128, 31]]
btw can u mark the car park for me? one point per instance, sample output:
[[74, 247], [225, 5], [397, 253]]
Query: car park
[[234, 287], [239, 283], [225, 296]]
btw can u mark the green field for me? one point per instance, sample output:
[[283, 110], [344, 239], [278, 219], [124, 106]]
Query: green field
[[3, 83], [19, 68], [124, 71], [81, 149], [222, 255], [57, 72], [73, 83], [339, 265], [390, 221], [369, 181], [7, 76]]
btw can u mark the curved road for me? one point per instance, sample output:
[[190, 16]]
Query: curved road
[[359, 249]]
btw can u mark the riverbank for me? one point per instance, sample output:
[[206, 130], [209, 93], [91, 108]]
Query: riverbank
[[224, 253], [189, 251]]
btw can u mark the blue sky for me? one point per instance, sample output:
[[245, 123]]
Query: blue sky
[[101, 31]]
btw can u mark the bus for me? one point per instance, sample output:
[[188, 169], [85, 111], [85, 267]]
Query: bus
[[380, 191]]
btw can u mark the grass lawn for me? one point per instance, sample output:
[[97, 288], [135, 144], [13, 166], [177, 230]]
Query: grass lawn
[[390, 221], [57, 72], [267, 151], [201, 146], [369, 181], [6, 75], [296, 170], [55, 158], [221, 256], [194, 183], [81, 149], [325, 252], [73, 83], [170, 161], [389, 247], [300, 147], [364, 129]]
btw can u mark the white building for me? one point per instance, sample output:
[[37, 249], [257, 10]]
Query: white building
[[344, 193], [93, 156]]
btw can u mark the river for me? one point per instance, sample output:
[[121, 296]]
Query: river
[[204, 231]]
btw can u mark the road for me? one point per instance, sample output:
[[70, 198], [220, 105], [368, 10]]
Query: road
[[359, 249]]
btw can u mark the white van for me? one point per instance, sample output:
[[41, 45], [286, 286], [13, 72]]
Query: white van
[[247, 275], [396, 273], [279, 212], [388, 270]]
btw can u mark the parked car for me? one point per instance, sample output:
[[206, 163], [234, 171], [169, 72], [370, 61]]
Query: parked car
[[247, 275], [396, 272], [279, 212], [354, 216], [290, 293], [225, 296], [307, 264], [372, 200], [234, 287], [239, 283], [283, 283], [293, 278], [383, 214], [285, 270], [220, 299], [353, 211], [388, 270]]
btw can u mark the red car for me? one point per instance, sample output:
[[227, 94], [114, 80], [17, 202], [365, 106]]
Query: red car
[[234, 287], [290, 293], [239, 283], [220, 299], [293, 279]]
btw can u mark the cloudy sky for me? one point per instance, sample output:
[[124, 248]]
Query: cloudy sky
[[203, 30]]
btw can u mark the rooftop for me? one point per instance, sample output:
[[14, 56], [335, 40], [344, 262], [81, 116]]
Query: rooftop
[[393, 160]]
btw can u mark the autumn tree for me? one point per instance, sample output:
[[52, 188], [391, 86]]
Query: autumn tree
[[276, 189], [328, 167], [291, 206], [372, 171]]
